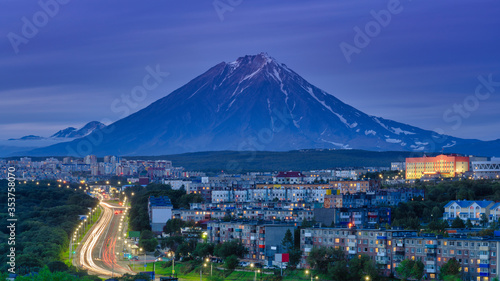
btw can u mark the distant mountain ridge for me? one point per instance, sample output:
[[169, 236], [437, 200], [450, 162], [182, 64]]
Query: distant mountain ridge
[[29, 137], [256, 103], [70, 132]]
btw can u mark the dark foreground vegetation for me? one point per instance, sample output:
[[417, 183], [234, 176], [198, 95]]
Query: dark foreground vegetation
[[46, 217]]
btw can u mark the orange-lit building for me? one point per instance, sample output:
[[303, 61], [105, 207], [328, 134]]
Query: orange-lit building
[[441, 165], [333, 201]]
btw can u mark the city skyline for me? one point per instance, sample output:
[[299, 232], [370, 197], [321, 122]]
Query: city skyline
[[423, 61]]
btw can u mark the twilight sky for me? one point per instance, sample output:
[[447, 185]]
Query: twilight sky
[[420, 67]]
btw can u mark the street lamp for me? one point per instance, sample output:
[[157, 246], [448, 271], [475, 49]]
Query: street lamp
[[367, 278], [311, 274], [211, 267], [201, 270], [173, 262], [140, 250], [255, 276]]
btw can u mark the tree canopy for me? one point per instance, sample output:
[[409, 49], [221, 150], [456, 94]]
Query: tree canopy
[[410, 269], [47, 216], [229, 248]]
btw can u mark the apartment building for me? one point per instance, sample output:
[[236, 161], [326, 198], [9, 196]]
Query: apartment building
[[333, 201], [471, 210], [160, 211], [355, 186], [288, 177], [364, 217], [270, 192], [262, 240], [277, 214], [386, 197], [398, 166], [478, 256]]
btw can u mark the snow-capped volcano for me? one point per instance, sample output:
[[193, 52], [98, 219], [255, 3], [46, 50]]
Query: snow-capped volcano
[[253, 103]]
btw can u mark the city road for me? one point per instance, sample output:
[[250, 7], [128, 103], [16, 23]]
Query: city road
[[98, 253]]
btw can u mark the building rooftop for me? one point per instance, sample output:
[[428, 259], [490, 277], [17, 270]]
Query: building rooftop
[[162, 201], [467, 203], [290, 174]]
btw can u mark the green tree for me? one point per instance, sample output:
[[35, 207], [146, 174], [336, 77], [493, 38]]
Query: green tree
[[173, 226], [438, 226], [484, 220], [307, 223], [468, 224], [287, 241], [457, 223], [229, 248], [462, 194], [148, 241], [146, 234], [44, 275], [436, 213], [291, 245], [338, 271], [231, 262], [356, 268], [404, 269], [418, 270], [450, 268], [360, 267], [295, 255], [188, 246], [28, 262], [203, 250], [410, 269], [57, 266], [320, 258], [149, 245], [296, 238], [452, 278]]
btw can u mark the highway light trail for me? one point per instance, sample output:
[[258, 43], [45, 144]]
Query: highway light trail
[[100, 232]]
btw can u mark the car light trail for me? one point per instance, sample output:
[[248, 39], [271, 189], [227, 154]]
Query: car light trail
[[99, 230]]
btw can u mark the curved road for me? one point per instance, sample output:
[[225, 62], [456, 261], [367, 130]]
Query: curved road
[[97, 252]]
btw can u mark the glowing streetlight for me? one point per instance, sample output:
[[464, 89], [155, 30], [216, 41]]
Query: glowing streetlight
[[311, 274], [172, 254], [211, 267]]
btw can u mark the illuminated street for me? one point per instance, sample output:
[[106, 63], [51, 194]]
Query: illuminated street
[[98, 253]]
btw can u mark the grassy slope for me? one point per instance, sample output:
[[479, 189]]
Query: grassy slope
[[235, 275]]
